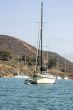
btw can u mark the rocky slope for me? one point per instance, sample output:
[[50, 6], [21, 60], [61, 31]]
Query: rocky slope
[[18, 47]]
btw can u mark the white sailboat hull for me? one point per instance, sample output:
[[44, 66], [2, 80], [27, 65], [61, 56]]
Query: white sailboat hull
[[44, 79]]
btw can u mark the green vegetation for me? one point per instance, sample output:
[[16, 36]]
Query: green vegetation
[[5, 56], [27, 59], [52, 62]]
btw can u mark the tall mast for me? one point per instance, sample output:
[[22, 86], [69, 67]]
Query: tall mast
[[41, 32]]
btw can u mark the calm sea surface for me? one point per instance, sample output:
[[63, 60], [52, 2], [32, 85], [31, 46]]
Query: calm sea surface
[[15, 95]]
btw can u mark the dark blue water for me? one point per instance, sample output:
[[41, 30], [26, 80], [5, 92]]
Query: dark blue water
[[15, 95]]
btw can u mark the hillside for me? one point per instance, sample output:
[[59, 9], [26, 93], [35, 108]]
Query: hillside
[[18, 47], [15, 46]]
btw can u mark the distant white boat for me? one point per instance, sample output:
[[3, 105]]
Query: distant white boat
[[21, 76], [59, 77], [66, 77]]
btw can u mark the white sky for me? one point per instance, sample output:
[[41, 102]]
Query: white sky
[[19, 18]]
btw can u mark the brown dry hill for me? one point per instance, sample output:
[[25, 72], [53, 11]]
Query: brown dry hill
[[18, 47], [15, 46]]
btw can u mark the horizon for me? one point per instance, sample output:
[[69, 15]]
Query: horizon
[[19, 19]]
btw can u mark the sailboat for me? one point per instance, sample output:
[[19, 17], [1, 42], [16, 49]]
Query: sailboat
[[58, 76], [65, 77], [43, 77], [19, 75]]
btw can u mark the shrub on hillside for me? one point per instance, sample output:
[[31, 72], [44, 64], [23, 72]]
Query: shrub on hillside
[[5, 56], [52, 62]]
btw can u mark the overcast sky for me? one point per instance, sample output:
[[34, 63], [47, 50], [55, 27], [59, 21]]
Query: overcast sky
[[19, 18]]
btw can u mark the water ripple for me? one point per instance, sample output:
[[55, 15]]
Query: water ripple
[[15, 95]]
